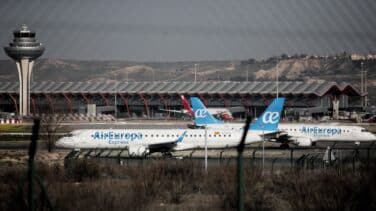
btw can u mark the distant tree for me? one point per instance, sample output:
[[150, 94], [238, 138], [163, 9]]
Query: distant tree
[[251, 61], [50, 125], [284, 56]]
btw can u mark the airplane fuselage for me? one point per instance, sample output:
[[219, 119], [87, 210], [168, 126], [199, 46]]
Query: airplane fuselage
[[315, 132], [184, 139]]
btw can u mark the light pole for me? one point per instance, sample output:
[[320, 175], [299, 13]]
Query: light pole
[[206, 150], [277, 80], [247, 70], [196, 69], [263, 148], [127, 76], [364, 84], [115, 93], [153, 75]]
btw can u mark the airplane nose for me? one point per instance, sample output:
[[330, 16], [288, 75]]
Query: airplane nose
[[373, 136], [59, 143], [63, 142]]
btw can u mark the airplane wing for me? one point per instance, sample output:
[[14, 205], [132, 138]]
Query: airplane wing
[[166, 146], [175, 111], [278, 136]]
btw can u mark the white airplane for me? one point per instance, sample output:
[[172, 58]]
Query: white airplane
[[309, 134], [300, 134], [141, 142]]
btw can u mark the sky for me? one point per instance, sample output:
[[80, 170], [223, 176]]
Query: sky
[[192, 30]]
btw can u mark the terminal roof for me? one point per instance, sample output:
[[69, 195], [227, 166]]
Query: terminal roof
[[190, 88]]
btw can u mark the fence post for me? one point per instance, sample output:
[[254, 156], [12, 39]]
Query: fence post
[[292, 157], [240, 172], [368, 158], [31, 172]]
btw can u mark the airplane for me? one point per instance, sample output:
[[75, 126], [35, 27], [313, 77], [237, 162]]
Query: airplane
[[300, 134], [222, 113], [141, 142]]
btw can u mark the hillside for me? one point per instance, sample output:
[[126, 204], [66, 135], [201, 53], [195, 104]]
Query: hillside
[[305, 68]]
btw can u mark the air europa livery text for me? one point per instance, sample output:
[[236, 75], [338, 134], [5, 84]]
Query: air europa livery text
[[111, 135], [318, 131]]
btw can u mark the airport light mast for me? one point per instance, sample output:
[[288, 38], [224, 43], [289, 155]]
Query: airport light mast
[[24, 50], [196, 69], [277, 79]]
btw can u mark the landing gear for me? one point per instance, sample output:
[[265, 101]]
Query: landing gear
[[167, 154], [284, 146]]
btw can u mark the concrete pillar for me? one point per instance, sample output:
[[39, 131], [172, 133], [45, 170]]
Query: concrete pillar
[[335, 103], [24, 67]]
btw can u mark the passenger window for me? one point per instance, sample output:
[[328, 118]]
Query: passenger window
[[199, 135], [195, 135], [151, 135], [209, 135], [146, 135], [168, 135]]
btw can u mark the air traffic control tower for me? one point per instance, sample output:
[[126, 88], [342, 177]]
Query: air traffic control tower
[[24, 50]]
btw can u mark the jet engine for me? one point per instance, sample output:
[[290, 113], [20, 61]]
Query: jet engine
[[304, 142], [138, 151]]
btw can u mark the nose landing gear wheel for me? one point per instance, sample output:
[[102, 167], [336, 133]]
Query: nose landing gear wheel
[[167, 154], [284, 146]]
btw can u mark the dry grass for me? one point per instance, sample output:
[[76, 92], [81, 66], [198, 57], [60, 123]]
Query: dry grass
[[183, 185]]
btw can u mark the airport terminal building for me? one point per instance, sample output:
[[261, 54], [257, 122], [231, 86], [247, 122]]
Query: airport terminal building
[[148, 99]]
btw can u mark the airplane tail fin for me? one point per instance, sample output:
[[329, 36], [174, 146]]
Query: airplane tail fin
[[187, 106], [201, 114], [269, 120]]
